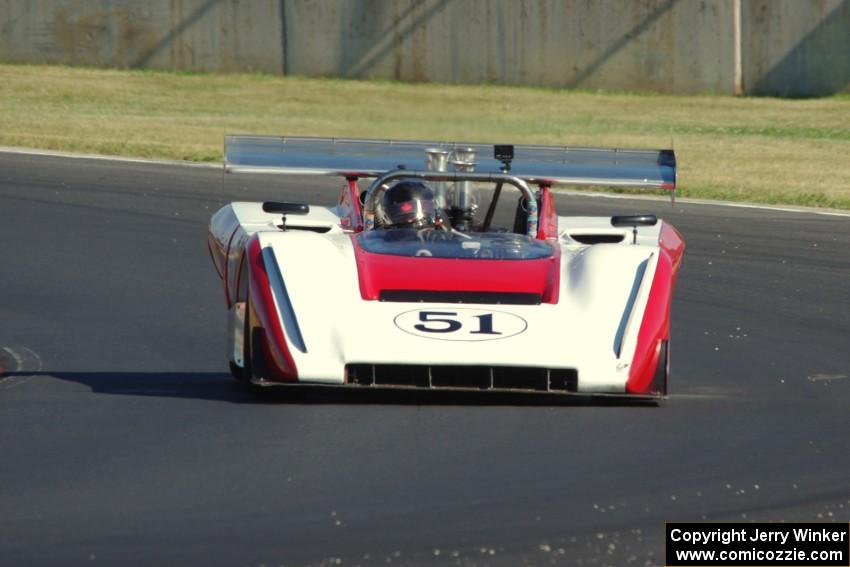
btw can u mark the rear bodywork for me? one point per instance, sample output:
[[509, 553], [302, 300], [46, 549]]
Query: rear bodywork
[[575, 306]]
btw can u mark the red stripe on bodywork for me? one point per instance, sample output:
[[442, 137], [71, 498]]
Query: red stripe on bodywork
[[672, 242], [655, 326], [227, 267], [377, 272], [548, 224], [276, 352]]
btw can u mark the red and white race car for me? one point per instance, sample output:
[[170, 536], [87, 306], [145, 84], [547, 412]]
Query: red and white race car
[[408, 282]]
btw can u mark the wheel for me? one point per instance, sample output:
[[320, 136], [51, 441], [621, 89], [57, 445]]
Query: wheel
[[244, 374], [659, 380]]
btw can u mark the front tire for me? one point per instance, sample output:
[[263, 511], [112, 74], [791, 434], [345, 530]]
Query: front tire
[[662, 371]]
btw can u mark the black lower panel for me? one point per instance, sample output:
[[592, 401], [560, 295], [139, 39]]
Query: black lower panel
[[460, 376]]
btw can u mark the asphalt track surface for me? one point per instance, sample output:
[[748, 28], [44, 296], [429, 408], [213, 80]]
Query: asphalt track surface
[[123, 440]]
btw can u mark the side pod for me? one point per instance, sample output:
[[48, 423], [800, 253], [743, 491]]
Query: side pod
[[267, 336], [649, 367]]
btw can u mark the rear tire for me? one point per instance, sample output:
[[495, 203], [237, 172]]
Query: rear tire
[[244, 374]]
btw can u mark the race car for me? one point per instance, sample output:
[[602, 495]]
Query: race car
[[408, 282]]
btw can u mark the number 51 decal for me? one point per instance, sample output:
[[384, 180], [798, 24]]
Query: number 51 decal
[[460, 324]]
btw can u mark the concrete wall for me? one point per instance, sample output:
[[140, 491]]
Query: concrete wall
[[667, 45], [790, 47], [796, 47], [192, 35]]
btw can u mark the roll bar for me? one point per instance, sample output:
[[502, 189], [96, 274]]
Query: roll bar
[[373, 191]]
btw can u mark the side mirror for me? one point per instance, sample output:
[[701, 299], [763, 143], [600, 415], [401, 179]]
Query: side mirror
[[286, 208], [634, 221]]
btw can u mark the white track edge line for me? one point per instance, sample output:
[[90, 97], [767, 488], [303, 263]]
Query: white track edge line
[[594, 194], [70, 155], [691, 201]]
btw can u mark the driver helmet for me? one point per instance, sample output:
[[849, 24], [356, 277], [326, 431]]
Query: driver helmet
[[409, 204]]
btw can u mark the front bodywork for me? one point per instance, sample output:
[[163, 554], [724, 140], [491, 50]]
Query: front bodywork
[[314, 318]]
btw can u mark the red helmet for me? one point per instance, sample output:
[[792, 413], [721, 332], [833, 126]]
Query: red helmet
[[409, 203]]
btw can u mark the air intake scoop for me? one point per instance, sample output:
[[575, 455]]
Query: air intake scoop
[[432, 279]]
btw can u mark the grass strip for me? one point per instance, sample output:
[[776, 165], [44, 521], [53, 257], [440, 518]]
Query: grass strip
[[763, 150]]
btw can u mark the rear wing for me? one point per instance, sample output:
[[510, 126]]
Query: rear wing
[[550, 165]]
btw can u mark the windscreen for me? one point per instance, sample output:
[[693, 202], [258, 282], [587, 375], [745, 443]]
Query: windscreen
[[442, 244]]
